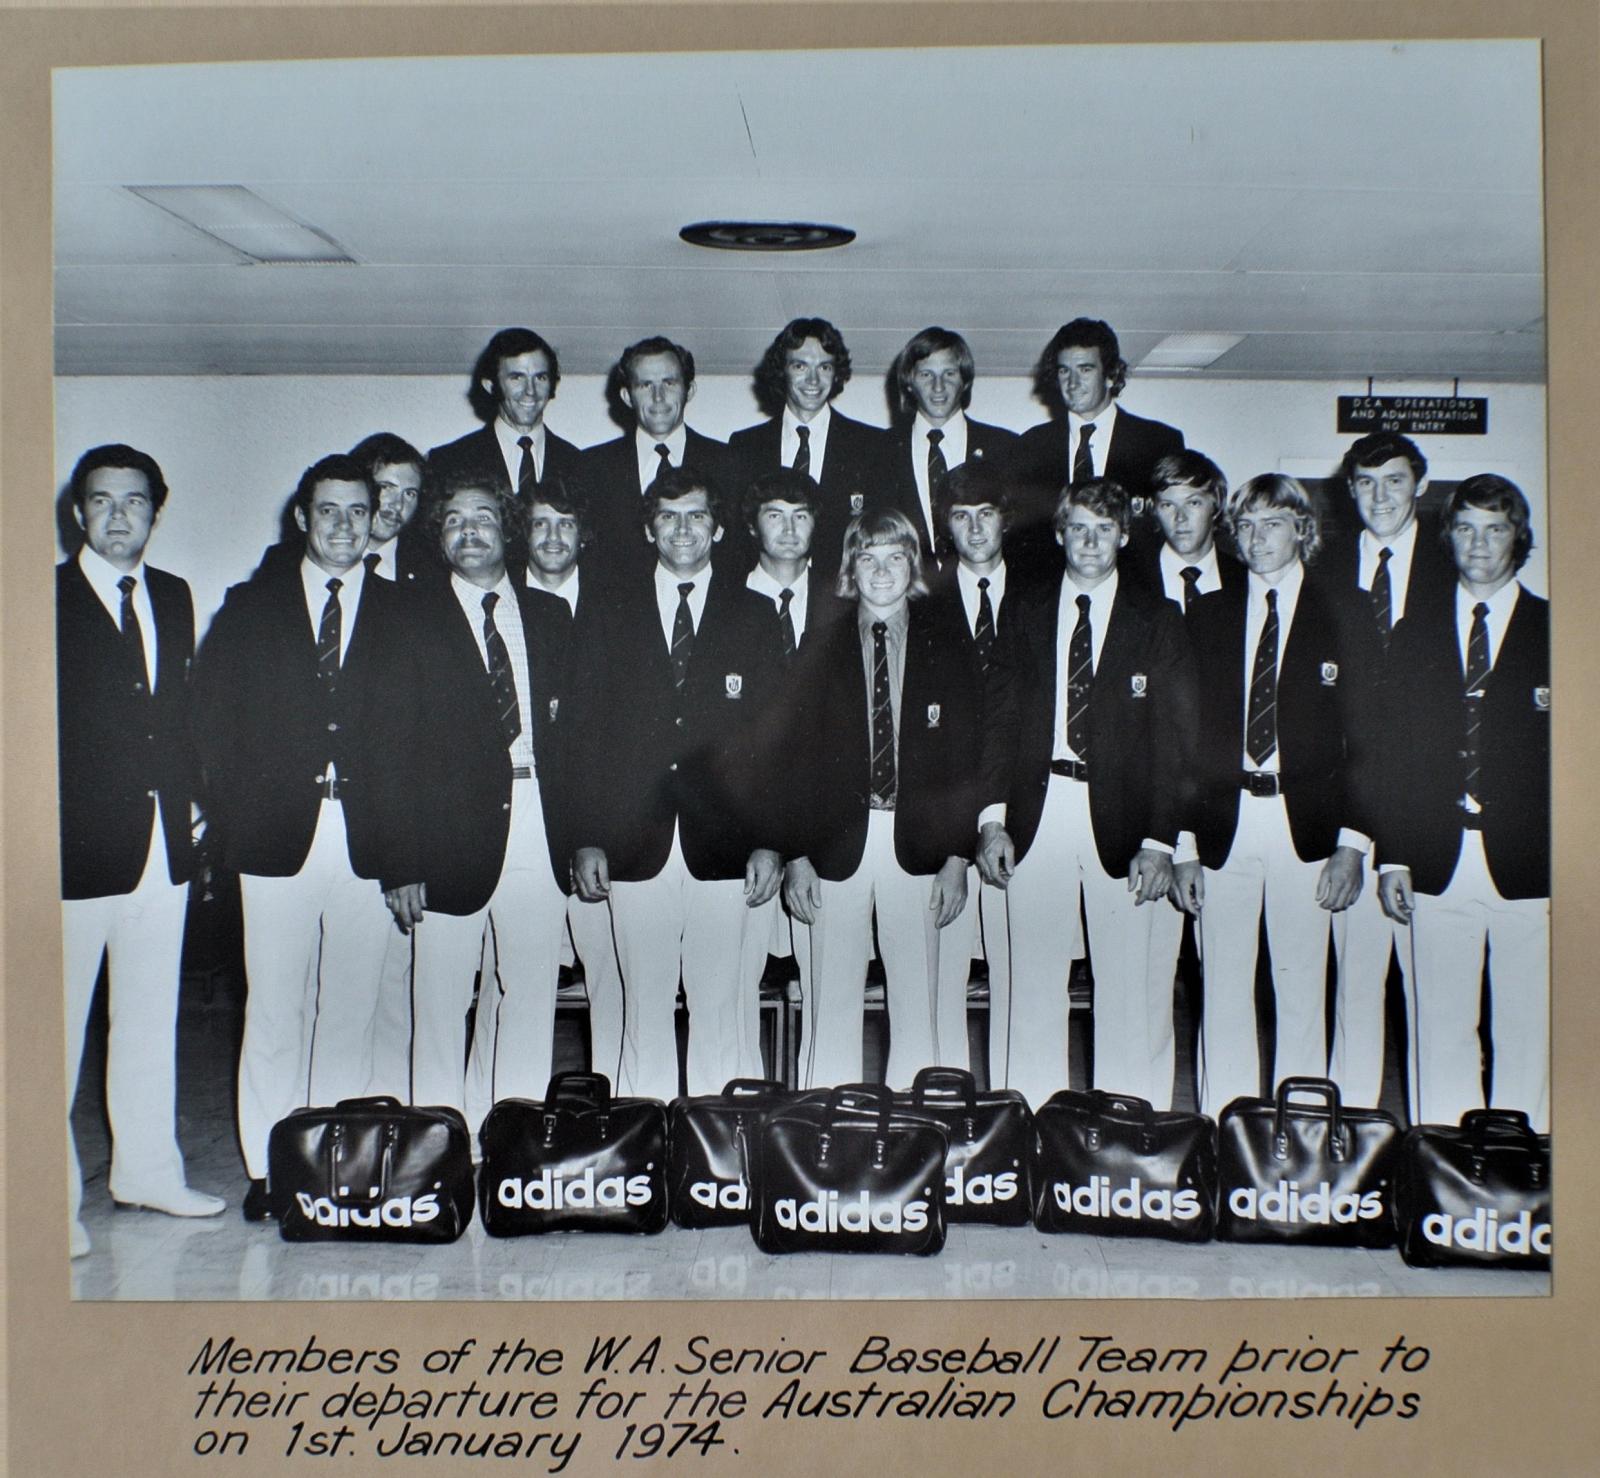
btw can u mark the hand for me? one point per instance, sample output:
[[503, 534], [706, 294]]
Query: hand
[[1394, 893], [591, 874], [1340, 883], [406, 903], [1189, 886], [802, 890], [997, 858], [762, 874], [1149, 875], [948, 896]]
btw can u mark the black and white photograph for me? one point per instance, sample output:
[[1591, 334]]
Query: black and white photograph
[[805, 675]]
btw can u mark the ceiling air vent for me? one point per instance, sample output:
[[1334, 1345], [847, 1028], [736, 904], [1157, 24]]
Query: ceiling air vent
[[766, 235]]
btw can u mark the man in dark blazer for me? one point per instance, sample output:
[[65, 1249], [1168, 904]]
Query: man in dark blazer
[[654, 383], [1080, 377], [293, 687], [976, 594], [933, 377], [485, 673], [1396, 567], [129, 779], [398, 471], [1187, 491], [672, 791], [799, 376], [1090, 703], [884, 802], [513, 383], [1281, 815], [1464, 839]]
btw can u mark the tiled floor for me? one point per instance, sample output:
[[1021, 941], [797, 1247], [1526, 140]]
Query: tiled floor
[[146, 1256]]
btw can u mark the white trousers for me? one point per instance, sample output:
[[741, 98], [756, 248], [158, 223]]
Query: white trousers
[[927, 1013], [140, 934], [517, 994], [672, 923], [1364, 938], [1452, 931], [313, 953], [595, 945], [391, 1026], [1133, 947], [1262, 873]]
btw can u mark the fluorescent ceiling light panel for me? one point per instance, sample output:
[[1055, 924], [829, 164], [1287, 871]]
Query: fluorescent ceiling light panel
[[242, 220], [1189, 351]]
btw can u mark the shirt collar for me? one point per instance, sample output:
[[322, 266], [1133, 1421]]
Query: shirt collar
[[866, 617], [315, 580], [1102, 422], [471, 596], [1288, 588], [1501, 603], [1100, 597], [102, 576], [816, 426], [1401, 545], [1175, 562], [645, 444], [763, 583]]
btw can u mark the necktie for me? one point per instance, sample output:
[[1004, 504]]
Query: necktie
[[1080, 674], [983, 628], [1477, 676], [1261, 728], [329, 633], [1382, 598], [883, 777], [527, 478], [500, 678], [786, 623], [665, 454], [802, 458], [1082, 461], [682, 636], [371, 561], [937, 467], [1190, 575], [132, 636]]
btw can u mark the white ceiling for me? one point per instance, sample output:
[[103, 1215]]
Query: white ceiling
[[1350, 209]]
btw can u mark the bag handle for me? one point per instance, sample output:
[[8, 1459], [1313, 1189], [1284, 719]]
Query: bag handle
[[335, 1152], [1325, 1089], [945, 1082], [1514, 1123], [876, 1096], [594, 1088], [380, 1101], [1121, 1106], [752, 1088]]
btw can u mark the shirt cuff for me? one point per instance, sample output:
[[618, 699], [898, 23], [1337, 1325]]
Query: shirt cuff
[[1186, 850], [1350, 837], [995, 813], [1385, 868], [1150, 844]]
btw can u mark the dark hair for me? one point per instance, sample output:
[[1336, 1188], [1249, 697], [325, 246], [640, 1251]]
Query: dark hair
[[772, 383], [440, 493], [1100, 495], [656, 344], [1378, 448], [565, 497], [971, 485], [340, 467], [782, 485], [385, 449], [116, 454], [1270, 490], [929, 342], [1188, 468], [1494, 494], [868, 531], [672, 483], [1081, 333], [507, 344]]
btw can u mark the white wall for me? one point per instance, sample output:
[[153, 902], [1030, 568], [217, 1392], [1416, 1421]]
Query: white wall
[[233, 447]]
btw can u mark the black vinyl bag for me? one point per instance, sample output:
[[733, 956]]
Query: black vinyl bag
[[370, 1170], [1475, 1195], [1306, 1173], [1112, 1165], [706, 1151], [581, 1161], [846, 1171], [988, 1169]]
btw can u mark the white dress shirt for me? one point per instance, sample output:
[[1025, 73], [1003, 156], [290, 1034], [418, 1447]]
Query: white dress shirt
[[1105, 425], [1401, 549], [508, 437], [386, 566], [1100, 599], [567, 589], [762, 583], [816, 441], [102, 577], [508, 622], [667, 598], [954, 447], [967, 584], [1173, 565], [644, 448]]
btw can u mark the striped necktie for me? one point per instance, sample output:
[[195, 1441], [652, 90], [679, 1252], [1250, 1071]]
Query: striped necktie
[[500, 678]]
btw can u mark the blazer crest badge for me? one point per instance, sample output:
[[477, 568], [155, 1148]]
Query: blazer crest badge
[[1541, 699], [857, 503], [933, 715], [1138, 685], [733, 684], [555, 707], [1330, 674]]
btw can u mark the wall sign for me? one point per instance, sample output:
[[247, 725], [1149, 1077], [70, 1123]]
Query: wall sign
[[1416, 415]]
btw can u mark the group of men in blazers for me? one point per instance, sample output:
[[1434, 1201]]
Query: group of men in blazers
[[940, 691]]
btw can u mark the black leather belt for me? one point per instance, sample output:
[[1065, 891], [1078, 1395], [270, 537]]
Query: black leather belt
[[522, 772], [1070, 769], [1261, 782], [329, 787]]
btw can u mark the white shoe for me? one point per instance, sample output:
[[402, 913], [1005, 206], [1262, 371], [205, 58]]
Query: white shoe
[[78, 1239], [179, 1200]]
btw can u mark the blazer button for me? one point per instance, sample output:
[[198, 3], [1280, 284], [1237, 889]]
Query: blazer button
[[679, 721], [506, 806], [151, 794], [673, 765], [333, 728]]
